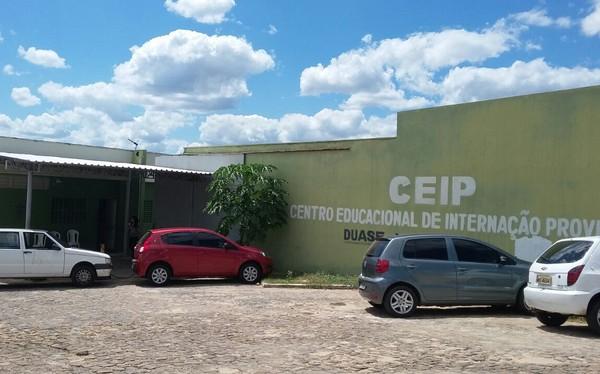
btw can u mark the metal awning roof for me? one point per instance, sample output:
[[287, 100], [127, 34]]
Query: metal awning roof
[[53, 160]]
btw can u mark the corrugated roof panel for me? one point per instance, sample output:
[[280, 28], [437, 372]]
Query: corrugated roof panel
[[95, 163]]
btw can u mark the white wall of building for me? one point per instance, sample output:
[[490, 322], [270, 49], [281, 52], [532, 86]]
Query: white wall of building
[[209, 162]]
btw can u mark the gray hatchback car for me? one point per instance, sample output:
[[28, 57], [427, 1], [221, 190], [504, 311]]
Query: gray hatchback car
[[402, 272]]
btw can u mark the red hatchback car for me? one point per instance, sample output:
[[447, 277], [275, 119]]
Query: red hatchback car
[[187, 252]]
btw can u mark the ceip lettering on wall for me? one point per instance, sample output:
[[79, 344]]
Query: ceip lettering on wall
[[432, 190]]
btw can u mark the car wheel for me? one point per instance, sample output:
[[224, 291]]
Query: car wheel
[[593, 317], [83, 276], [521, 306], [250, 274], [400, 301], [159, 275], [551, 319]]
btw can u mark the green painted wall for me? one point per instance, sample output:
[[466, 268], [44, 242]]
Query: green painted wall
[[532, 160]]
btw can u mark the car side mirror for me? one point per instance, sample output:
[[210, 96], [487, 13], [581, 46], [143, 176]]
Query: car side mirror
[[228, 245]]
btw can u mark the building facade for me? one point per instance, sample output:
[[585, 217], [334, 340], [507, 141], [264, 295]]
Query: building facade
[[95, 191], [519, 173]]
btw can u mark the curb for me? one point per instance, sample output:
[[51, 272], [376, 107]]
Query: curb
[[309, 286]]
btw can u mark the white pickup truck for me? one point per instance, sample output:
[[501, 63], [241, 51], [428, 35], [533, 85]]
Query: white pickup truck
[[32, 254]]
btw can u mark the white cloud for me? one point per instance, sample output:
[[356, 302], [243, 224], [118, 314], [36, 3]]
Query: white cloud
[[42, 57], [203, 11], [327, 124], [590, 25], [409, 62], [538, 17], [24, 97], [152, 127], [184, 70], [194, 67], [388, 68], [238, 129], [530, 46], [367, 39], [1, 38], [170, 79], [427, 69], [272, 30], [563, 22], [8, 69], [465, 84], [106, 97], [94, 127], [391, 99]]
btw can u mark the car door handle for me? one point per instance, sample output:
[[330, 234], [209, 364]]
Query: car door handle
[[27, 252], [410, 266], [461, 269]]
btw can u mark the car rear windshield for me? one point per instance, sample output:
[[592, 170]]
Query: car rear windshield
[[377, 247], [565, 252]]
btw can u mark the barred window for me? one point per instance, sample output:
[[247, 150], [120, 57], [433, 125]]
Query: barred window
[[68, 211], [147, 217]]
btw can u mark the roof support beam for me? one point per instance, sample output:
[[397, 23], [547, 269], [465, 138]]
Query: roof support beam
[[28, 200], [126, 218]]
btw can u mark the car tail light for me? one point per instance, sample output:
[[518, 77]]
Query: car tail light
[[382, 266], [140, 248], [574, 274]]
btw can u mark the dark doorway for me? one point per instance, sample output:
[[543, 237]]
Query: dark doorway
[[107, 224]]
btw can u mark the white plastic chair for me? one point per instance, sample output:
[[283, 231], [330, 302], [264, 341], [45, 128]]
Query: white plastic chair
[[39, 240], [73, 238]]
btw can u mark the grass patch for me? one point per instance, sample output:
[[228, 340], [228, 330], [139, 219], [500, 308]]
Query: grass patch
[[319, 278]]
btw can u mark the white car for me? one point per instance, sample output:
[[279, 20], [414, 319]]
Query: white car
[[565, 281], [32, 254]]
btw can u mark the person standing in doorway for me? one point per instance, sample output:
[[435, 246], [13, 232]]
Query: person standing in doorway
[[133, 233]]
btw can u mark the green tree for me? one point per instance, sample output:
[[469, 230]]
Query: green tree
[[248, 195]]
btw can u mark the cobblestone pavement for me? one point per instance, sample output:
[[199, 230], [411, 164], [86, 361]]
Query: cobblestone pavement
[[223, 327]]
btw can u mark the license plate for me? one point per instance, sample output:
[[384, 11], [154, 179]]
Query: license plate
[[362, 287], [544, 280]]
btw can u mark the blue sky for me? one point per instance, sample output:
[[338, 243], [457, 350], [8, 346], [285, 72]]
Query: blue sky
[[172, 73]]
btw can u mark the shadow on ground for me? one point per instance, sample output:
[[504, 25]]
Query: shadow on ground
[[118, 280], [454, 312], [568, 329], [60, 284], [197, 282]]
